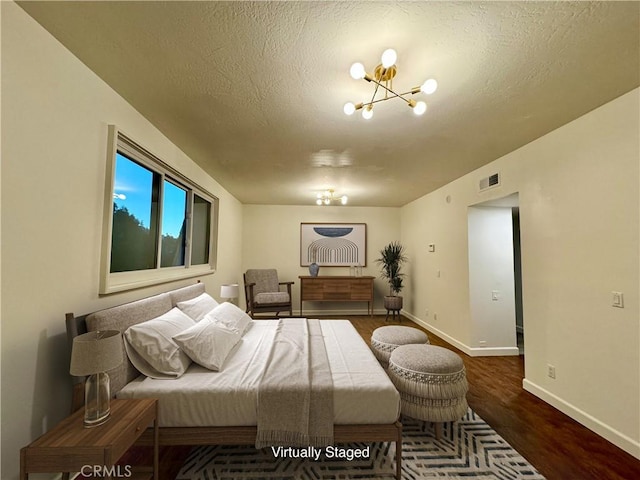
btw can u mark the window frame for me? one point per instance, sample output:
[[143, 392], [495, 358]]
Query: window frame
[[111, 282]]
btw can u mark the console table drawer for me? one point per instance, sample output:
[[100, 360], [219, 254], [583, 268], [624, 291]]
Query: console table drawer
[[314, 291], [337, 296], [363, 294], [337, 287]]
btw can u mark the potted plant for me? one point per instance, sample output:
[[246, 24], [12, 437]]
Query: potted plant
[[391, 259]]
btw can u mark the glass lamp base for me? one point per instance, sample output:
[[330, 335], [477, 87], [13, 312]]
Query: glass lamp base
[[88, 423], [97, 400]]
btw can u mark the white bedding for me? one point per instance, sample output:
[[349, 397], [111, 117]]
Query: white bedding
[[363, 393]]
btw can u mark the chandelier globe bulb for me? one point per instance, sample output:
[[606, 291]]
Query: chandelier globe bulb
[[420, 108], [344, 199], [349, 108], [389, 57], [357, 71], [429, 86], [367, 113]]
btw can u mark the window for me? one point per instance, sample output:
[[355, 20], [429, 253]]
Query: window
[[174, 225], [159, 225]]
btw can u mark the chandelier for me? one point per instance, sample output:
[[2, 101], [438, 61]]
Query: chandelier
[[327, 198], [383, 78]]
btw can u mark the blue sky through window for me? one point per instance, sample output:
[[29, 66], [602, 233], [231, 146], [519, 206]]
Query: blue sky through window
[[133, 189], [175, 203]]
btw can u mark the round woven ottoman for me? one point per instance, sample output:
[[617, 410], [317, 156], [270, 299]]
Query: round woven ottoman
[[432, 383], [386, 339]]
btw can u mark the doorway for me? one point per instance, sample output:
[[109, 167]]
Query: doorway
[[517, 277], [495, 277]]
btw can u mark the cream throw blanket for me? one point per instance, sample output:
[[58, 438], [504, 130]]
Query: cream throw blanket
[[295, 396]]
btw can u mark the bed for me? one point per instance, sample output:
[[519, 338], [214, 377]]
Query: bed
[[203, 407]]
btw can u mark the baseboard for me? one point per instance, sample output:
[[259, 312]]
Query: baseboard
[[493, 351], [309, 313], [627, 444], [471, 351]]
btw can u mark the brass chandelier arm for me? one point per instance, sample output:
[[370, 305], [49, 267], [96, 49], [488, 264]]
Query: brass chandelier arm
[[376, 101], [375, 92], [399, 95]]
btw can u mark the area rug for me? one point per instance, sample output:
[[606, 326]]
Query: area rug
[[467, 449]]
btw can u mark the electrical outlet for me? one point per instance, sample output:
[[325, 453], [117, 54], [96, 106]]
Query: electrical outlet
[[551, 371], [435, 316], [482, 343]]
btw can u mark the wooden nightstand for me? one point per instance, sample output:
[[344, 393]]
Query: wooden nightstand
[[69, 446]]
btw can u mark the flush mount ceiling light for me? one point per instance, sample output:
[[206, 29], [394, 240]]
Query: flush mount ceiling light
[[383, 77], [327, 198]]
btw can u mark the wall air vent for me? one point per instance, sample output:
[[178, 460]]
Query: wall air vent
[[489, 182]]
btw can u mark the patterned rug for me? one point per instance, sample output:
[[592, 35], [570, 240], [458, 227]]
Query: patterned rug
[[468, 449]]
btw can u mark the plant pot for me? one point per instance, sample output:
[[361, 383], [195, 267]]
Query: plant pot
[[393, 302]]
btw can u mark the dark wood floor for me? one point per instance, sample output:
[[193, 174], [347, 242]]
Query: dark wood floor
[[559, 447]]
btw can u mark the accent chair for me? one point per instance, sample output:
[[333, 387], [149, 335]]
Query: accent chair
[[263, 294]]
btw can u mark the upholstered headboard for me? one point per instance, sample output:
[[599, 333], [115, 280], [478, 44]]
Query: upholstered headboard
[[122, 317]]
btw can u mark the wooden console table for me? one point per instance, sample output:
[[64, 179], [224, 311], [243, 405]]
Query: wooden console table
[[337, 289]]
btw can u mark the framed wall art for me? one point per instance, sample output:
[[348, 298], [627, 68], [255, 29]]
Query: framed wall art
[[333, 244]]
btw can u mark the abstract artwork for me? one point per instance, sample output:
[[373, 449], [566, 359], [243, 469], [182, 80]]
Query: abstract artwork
[[333, 244]]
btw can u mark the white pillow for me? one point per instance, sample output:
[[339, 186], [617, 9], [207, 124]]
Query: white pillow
[[198, 307], [230, 316], [207, 343], [152, 350]]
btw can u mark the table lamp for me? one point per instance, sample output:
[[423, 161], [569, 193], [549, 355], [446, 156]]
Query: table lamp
[[229, 292], [92, 354]]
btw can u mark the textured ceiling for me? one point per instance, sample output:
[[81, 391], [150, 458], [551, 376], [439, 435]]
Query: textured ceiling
[[253, 91]]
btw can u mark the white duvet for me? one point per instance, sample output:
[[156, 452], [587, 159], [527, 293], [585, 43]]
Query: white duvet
[[363, 393]]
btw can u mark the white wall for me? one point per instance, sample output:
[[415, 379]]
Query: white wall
[[271, 239], [579, 223], [491, 280], [55, 114]]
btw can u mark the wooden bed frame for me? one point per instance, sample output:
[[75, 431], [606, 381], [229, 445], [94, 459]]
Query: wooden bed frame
[[240, 435]]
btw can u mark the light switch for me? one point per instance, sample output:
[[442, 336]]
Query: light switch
[[495, 295], [617, 299], [432, 247]]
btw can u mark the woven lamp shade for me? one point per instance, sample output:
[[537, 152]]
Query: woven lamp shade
[[96, 352], [92, 355]]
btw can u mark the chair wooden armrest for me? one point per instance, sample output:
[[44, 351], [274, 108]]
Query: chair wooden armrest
[[288, 284]]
